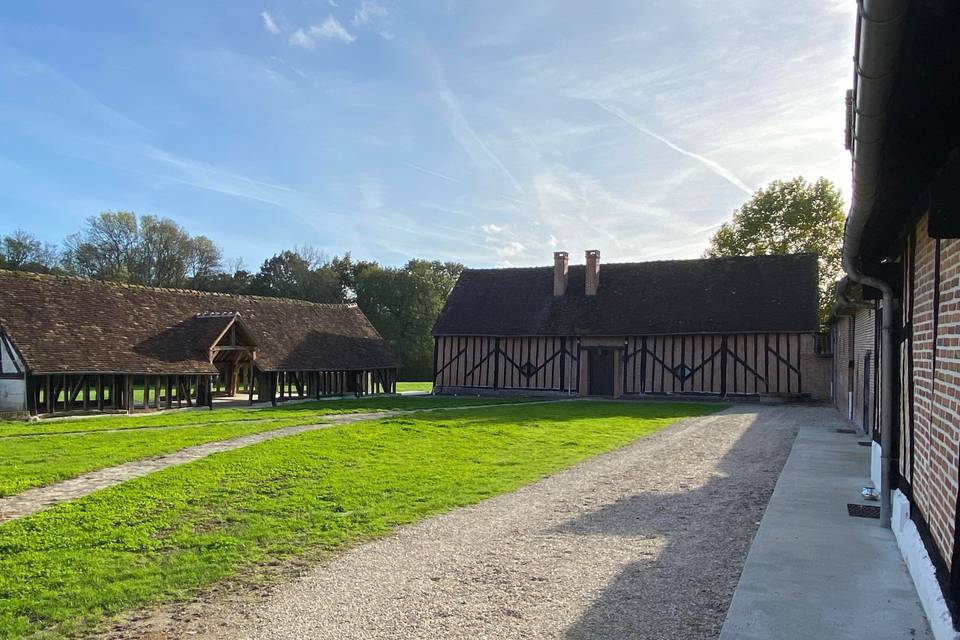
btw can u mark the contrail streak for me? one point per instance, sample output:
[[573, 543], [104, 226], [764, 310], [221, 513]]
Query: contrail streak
[[713, 166]]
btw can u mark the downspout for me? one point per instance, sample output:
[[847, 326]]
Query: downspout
[[879, 33]]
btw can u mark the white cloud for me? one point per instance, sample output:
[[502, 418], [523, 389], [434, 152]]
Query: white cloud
[[269, 24], [300, 39], [492, 228], [331, 28], [368, 12]]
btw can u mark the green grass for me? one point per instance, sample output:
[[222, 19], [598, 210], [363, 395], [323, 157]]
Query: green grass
[[60, 450], [203, 417], [414, 386], [166, 536]]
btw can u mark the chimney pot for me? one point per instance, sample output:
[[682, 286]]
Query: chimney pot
[[560, 261], [592, 279]]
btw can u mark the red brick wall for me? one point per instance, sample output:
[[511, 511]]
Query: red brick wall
[[936, 414]]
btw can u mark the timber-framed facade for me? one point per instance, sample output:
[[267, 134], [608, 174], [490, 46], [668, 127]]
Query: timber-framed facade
[[72, 345], [724, 327]]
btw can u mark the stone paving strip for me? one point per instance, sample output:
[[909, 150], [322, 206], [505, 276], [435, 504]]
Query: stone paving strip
[[33, 500]]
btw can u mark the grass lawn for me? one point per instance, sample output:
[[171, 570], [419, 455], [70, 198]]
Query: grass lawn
[[56, 451], [204, 417], [414, 386], [167, 536]]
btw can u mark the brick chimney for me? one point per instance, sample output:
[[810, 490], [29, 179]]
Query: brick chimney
[[592, 278], [560, 261]]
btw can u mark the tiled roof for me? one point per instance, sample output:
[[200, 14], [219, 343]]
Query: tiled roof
[[721, 295], [63, 324]]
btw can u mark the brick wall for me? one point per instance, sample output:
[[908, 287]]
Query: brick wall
[[936, 380]]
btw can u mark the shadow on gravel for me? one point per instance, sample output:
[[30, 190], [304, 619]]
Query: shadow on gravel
[[685, 590]]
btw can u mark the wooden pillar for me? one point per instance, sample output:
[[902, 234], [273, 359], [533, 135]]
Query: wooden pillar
[[48, 392], [274, 376], [156, 392], [86, 393], [99, 392], [169, 391], [209, 380], [128, 392], [250, 384]]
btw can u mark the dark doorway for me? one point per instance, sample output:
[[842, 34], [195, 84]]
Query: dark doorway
[[601, 372]]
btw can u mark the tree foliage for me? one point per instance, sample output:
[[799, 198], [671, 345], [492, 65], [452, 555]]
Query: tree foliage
[[22, 252], [793, 216], [119, 246]]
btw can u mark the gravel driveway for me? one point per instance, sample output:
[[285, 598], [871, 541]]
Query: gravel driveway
[[644, 542]]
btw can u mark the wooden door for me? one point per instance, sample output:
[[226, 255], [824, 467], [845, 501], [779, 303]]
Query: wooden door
[[601, 372]]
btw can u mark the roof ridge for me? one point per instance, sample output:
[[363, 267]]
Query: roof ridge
[[645, 262], [196, 292]]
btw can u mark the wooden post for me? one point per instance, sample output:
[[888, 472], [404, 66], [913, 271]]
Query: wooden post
[[209, 380], [250, 384], [274, 376], [156, 394], [169, 393], [128, 392], [48, 393]]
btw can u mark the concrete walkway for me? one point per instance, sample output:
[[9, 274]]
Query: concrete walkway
[[40, 498], [815, 572]]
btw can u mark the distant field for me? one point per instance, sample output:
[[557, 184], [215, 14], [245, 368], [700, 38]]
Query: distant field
[[414, 386], [167, 536]]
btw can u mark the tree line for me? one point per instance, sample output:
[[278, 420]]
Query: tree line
[[402, 302]]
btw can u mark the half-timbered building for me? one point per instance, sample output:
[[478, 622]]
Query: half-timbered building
[[718, 327], [70, 344]]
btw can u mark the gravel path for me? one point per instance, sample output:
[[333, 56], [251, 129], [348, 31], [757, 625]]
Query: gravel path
[[40, 498], [645, 542]]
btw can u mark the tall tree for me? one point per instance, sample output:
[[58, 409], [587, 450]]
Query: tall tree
[[403, 304], [20, 251], [106, 249], [792, 216], [117, 245], [290, 275]]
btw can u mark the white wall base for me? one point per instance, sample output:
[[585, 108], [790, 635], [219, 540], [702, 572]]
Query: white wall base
[[921, 570], [875, 464]]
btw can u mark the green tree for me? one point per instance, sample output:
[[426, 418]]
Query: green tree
[[20, 251], [119, 246], [792, 216], [291, 275], [403, 304], [106, 249]]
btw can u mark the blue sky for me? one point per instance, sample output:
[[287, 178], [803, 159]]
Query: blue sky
[[491, 133]]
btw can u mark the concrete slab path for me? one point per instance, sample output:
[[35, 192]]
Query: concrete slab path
[[813, 571]]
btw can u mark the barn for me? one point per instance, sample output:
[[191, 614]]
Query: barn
[[717, 327], [70, 344]]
